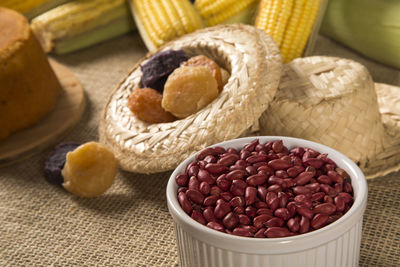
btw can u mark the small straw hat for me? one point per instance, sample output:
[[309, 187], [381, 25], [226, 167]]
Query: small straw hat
[[334, 101], [254, 63]]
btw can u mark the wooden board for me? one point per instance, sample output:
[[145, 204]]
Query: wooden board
[[67, 112]]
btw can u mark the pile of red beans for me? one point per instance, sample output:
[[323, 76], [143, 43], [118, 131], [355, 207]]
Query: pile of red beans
[[264, 190]]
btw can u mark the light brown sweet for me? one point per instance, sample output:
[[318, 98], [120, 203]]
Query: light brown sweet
[[28, 85]]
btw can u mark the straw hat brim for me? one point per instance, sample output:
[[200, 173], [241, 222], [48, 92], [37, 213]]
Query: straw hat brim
[[334, 101], [254, 63]]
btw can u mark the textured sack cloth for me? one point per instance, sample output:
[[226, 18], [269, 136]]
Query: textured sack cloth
[[335, 102]]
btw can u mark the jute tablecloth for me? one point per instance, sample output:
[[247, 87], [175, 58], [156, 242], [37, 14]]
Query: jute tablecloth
[[42, 225]]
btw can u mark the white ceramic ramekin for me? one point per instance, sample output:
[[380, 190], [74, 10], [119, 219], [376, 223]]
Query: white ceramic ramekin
[[337, 244]]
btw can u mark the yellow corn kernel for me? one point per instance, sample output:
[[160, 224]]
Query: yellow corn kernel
[[218, 11], [283, 18], [163, 20]]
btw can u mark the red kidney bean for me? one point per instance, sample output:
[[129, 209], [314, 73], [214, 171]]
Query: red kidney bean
[[202, 164], [236, 167], [196, 215], [195, 196], [182, 179], [223, 182], [228, 160], [303, 178], [251, 146], [291, 207], [210, 200], [281, 174], [227, 196], [264, 211], [216, 226], [335, 177], [268, 171], [279, 164], [314, 162], [232, 150], [251, 170], [259, 148], [215, 191], [210, 159], [282, 213], [230, 220], [236, 174], [272, 156], [339, 202], [293, 225], [274, 188], [244, 219], [288, 182], [182, 189], [272, 200], [347, 187], [250, 211], [296, 161], [347, 198], [204, 188], [319, 220], [208, 214], [324, 179], [314, 187], [304, 225], [325, 208], [327, 189], [334, 217], [342, 173], [283, 199], [305, 212], [238, 210], [242, 232], [294, 171], [275, 222], [221, 209], [244, 154], [250, 228], [237, 201], [216, 168], [260, 220], [241, 163], [277, 146], [205, 176], [250, 195], [276, 232], [301, 190], [205, 152], [338, 188], [256, 158], [259, 164], [256, 179], [185, 203], [237, 187], [193, 184], [219, 150], [298, 151], [302, 200], [275, 180], [317, 196], [193, 171], [262, 192], [260, 233]]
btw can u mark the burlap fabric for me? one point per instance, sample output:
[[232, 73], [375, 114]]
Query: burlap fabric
[[42, 225]]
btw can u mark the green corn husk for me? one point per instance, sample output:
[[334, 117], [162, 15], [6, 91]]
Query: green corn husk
[[371, 27], [82, 23]]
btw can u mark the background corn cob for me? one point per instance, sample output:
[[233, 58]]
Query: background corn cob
[[163, 20], [226, 11], [371, 27], [81, 23], [31, 8], [289, 23]]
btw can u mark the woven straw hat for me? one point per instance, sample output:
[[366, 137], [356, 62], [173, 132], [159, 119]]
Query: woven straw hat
[[334, 101], [254, 63]]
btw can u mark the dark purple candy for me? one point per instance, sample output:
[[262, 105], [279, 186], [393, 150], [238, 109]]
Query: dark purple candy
[[156, 70], [56, 161]]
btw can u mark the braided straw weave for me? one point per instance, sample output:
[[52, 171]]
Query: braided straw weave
[[334, 101], [254, 63]]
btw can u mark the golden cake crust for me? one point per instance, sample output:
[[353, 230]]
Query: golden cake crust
[[28, 85]]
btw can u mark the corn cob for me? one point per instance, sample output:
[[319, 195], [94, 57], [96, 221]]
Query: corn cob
[[163, 20], [226, 11], [31, 8], [81, 23], [289, 23]]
